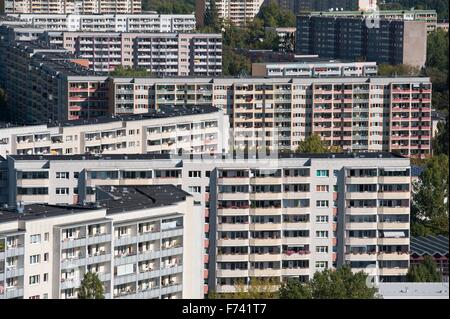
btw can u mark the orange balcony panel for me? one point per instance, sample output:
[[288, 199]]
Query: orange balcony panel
[[206, 228], [205, 289], [335, 211], [334, 227], [334, 241], [205, 259], [335, 195], [334, 257], [206, 197], [206, 243], [206, 212], [205, 273]]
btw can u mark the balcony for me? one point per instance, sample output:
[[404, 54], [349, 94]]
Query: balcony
[[232, 273], [352, 241], [265, 226], [233, 227], [232, 242], [295, 272], [73, 242], [232, 257], [356, 226], [268, 272], [236, 211]]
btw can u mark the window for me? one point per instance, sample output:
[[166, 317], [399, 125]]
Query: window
[[35, 259], [322, 173], [322, 234], [335, 172], [195, 174], [322, 219], [33, 280], [46, 236], [62, 175], [194, 189], [46, 257], [45, 296], [208, 173], [322, 188], [322, 203], [62, 191], [45, 278], [76, 174], [34, 297], [35, 238], [322, 264], [321, 249]]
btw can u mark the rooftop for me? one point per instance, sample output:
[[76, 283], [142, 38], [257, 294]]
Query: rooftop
[[366, 13], [414, 290], [117, 199], [369, 155], [162, 112], [37, 211], [429, 245]]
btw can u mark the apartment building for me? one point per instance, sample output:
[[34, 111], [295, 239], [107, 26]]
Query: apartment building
[[381, 40], [143, 242], [71, 6], [163, 54], [174, 130], [298, 6], [428, 16], [280, 216], [138, 23], [356, 113], [237, 12], [324, 68], [46, 84]]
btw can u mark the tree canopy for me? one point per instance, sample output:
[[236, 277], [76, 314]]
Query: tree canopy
[[258, 288], [169, 6], [441, 6], [426, 271], [429, 209], [329, 284], [91, 287], [125, 71], [314, 144]]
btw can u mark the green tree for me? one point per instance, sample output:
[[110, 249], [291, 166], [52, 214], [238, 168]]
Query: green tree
[[126, 71], [258, 288], [312, 144], [91, 287], [212, 19], [427, 271], [274, 16], [440, 142], [441, 6], [169, 6], [401, 69], [429, 209], [234, 63], [330, 284], [293, 288]]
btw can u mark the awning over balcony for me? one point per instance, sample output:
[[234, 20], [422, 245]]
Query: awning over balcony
[[394, 234]]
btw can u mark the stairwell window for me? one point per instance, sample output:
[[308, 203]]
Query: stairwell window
[[322, 173], [33, 280], [322, 234], [322, 203]]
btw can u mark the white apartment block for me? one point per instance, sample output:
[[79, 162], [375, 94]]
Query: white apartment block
[[153, 251], [142, 23], [268, 217], [315, 69], [71, 6], [175, 130], [163, 54], [237, 12]]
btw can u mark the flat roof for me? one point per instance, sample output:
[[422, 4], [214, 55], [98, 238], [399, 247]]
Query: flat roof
[[90, 157], [429, 245], [37, 211], [413, 290], [129, 198], [121, 199], [285, 155], [162, 112]]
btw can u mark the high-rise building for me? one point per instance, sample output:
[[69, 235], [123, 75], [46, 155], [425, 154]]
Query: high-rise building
[[144, 251], [280, 216], [71, 6], [238, 12], [158, 23], [382, 40], [163, 54], [298, 6]]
